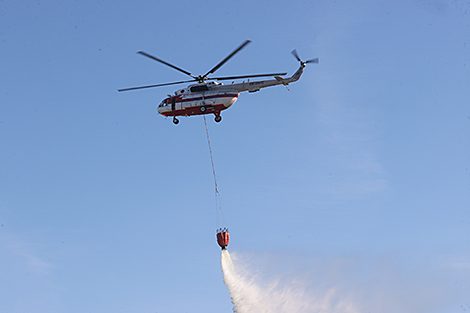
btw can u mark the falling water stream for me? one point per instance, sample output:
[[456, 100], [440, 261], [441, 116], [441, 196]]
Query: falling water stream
[[250, 295]]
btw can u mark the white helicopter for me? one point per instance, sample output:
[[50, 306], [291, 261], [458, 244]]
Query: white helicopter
[[212, 97]]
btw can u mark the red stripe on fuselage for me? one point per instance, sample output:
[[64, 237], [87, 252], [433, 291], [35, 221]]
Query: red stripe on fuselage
[[196, 111]]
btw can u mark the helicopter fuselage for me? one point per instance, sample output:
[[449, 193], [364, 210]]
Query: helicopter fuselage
[[214, 97], [205, 98]]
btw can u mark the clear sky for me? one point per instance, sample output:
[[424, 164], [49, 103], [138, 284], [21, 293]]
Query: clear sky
[[356, 180]]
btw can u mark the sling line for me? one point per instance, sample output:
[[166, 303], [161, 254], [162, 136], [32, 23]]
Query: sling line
[[217, 194]]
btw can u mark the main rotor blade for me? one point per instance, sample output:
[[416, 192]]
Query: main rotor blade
[[227, 58], [151, 86], [247, 76], [166, 63]]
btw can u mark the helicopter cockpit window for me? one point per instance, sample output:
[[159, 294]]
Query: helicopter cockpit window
[[164, 103]]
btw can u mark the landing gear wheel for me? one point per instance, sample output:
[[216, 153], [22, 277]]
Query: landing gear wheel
[[218, 119], [175, 121], [203, 109]]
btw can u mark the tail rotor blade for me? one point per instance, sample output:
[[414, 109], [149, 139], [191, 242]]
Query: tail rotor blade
[[296, 55], [316, 60], [294, 52]]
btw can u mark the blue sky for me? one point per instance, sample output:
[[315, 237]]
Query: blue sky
[[355, 179]]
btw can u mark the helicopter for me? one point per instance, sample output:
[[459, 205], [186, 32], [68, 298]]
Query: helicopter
[[208, 95]]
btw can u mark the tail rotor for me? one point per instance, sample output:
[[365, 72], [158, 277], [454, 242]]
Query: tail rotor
[[304, 63]]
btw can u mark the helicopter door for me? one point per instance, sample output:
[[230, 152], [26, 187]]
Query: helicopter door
[[173, 103]]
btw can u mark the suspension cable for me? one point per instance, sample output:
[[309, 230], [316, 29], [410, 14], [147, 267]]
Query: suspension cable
[[212, 158], [218, 204]]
